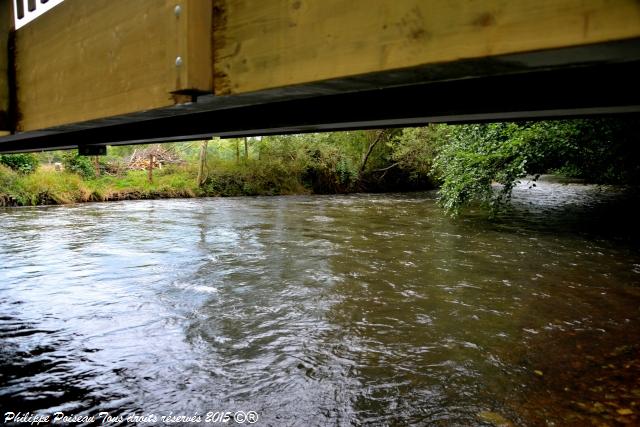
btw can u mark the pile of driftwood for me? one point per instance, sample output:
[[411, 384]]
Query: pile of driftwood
[[151, 157]]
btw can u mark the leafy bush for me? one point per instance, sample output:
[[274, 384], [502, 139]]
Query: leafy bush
[[414, 149], [475, 156], [77, 164], [23, 163], [328, 169]]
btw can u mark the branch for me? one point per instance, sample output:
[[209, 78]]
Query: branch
[[371, 147], [387, 168]]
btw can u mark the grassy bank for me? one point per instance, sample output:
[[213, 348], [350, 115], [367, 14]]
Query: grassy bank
[[299, 164], [46, 186]]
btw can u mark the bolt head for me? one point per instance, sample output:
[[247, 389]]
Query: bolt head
[[178, 61]]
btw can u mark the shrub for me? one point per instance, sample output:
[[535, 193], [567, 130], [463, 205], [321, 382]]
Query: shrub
[[23, 163], [77, 164]]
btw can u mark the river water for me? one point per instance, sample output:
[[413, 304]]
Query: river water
[[326, 310]]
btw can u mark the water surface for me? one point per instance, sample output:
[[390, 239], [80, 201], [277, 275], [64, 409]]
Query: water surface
[[326, 310]]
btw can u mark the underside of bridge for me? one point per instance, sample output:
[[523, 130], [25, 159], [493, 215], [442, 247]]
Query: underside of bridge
[[120, 72]]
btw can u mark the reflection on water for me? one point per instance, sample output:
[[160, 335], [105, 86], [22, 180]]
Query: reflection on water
[[361, 309]]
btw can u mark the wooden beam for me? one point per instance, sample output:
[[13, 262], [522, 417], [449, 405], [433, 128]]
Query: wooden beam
[[6, 17], [276, 43], [93, 59], [194, 39]]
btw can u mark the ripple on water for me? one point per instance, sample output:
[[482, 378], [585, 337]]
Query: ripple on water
[[357, 309]]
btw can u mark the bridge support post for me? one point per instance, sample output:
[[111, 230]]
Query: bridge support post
[[6, 27]]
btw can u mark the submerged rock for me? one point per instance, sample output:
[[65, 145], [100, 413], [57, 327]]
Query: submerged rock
[[494, 418]]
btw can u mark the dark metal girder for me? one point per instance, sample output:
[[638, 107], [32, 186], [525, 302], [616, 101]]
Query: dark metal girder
[[567, 92]]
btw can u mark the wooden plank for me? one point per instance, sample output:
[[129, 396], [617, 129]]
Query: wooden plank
[[6, 16], [92, 59], [275, 43], [194, 46]]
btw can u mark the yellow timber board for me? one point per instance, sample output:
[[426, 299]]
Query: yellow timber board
[[274, 43], [86, 59]]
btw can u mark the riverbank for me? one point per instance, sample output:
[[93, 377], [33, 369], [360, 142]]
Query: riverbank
[[49, 187], [463, 160]]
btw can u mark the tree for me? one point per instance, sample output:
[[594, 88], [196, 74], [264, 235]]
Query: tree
[[373, 139], [202, 163], [414, 149], [150, 168], [475, 156]]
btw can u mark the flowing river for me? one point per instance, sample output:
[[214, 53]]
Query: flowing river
[[325, 310]]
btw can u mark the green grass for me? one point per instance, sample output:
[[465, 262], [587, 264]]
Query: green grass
[[41, 187], [272, 175], [48, 187]]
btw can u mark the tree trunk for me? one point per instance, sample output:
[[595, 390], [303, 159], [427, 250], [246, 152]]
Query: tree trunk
[[150, 176], [203, 163], [237, 151], [366, 155], [246, 149]]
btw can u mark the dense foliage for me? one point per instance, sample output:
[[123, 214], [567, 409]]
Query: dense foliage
[[333, 162], [80, 165], [465, 161], [470, 158], [23, 163]]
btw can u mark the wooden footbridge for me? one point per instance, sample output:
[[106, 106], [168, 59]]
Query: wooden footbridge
[[97, 72]]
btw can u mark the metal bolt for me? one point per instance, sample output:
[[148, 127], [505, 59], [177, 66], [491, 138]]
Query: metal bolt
[[178, 61], [177, 10]]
